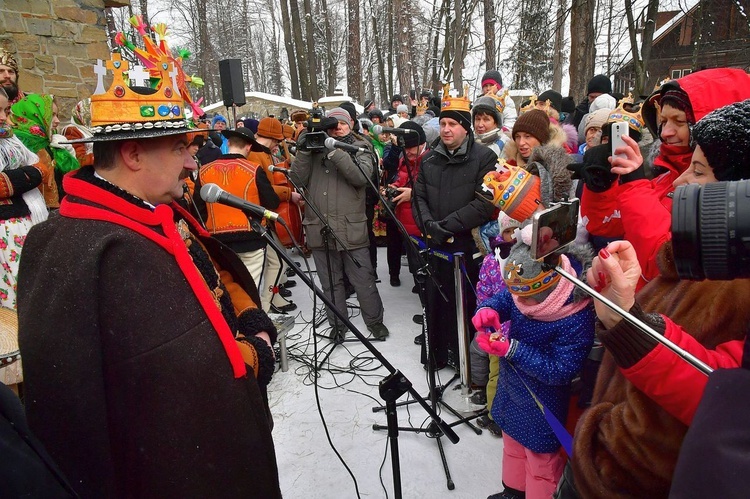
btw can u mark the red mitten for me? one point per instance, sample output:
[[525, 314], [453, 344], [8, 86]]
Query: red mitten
[[494, 343], [486, 318]]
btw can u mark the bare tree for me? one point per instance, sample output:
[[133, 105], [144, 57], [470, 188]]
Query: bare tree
[[558, 55], [642, 55], [289, 46], [353, 54], [582, 47]]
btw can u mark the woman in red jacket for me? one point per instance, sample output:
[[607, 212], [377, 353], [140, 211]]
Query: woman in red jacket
[[626, 444]]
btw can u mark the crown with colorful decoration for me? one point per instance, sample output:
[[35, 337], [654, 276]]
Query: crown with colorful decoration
[[451, 103], [514, 191], [629, 112]]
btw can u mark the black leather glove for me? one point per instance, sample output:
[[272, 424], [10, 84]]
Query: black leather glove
[[302, 141], [436, 233], [595, 171]]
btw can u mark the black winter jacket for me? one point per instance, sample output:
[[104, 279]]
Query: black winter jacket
[[446, 189]]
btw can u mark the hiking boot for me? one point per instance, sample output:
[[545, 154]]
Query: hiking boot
[[378, 330], [487, 423], [479, 397], [337, 334]]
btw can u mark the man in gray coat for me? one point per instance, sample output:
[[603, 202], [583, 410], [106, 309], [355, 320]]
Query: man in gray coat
[[337, 187]]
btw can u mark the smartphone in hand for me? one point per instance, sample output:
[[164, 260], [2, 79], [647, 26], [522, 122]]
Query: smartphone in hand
[[554, 228], [619, 129]]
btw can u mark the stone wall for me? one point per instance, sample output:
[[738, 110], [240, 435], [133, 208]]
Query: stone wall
[[56, 43]]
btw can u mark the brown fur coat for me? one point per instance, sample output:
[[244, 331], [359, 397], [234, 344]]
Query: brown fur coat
[[625, 445]]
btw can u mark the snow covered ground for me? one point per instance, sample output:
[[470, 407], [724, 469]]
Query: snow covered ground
[[348, 390]]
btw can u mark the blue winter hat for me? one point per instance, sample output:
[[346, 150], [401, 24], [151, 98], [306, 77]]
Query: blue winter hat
[[216, 119]]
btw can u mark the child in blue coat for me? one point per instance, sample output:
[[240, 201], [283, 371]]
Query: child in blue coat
[[551, 333]]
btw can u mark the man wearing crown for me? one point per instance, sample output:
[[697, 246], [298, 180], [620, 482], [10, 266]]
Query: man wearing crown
[[145, 353], [446, 208]]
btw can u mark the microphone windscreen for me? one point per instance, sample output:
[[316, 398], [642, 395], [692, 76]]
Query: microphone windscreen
[[210, 193]]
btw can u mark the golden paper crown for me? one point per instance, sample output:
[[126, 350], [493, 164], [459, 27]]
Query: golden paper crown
[[520, 286], [634, 119], [121, 110], [530, 106], [515, 191], [460, 104]]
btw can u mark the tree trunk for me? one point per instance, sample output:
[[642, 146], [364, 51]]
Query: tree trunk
[[382, 84], [403, 63], [301, 51], [558, 57], [458, 44], [490, 47], [311, 59], [389, 22], [289, 45], [353, 54], [582, 50], [641, 58]]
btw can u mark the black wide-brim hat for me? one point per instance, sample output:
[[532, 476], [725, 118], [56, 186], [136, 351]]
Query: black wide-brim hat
[[243, 133]]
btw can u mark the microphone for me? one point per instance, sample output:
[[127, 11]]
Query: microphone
[[331, 143], [275, 169], [212, 193], [396, 131]]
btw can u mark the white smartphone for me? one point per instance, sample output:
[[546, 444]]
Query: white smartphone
[[619, 129], [554, 228]]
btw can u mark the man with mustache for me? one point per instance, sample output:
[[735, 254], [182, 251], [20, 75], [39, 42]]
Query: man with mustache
[[145, 375]]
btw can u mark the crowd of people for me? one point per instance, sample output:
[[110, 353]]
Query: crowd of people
[[139, 299]]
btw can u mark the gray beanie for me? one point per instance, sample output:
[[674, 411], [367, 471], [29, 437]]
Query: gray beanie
[[487, 105]]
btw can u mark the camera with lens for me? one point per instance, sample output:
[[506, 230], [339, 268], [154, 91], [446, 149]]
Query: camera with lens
[[711, 230], [389, 194], [314, 140]]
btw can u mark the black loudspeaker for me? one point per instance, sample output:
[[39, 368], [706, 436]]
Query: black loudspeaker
[[232, 82]]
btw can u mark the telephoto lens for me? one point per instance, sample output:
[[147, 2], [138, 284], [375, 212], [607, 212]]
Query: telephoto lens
[[711, 230]]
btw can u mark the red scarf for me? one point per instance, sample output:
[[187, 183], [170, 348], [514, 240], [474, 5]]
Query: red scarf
[[674, 158]]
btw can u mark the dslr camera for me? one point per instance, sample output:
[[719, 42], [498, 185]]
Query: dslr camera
[[314, 140], [711, 230], [390, 193]]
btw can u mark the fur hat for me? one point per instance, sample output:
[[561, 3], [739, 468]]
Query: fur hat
[[724, 139], [299, 115], [270, 128], [341, 114], [396, 97], [487, 104], [599, 83], [413, 139], [376, 113], [492, 76], [8, 59], [535, 123], [554, 98]]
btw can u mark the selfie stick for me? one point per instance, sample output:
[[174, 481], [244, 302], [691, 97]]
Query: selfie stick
[[686, 356]]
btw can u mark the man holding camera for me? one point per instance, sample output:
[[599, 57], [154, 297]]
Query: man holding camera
[[337, 187]]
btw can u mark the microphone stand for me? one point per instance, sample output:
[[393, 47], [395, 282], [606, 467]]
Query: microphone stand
[[391, 387], [435, 393]]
